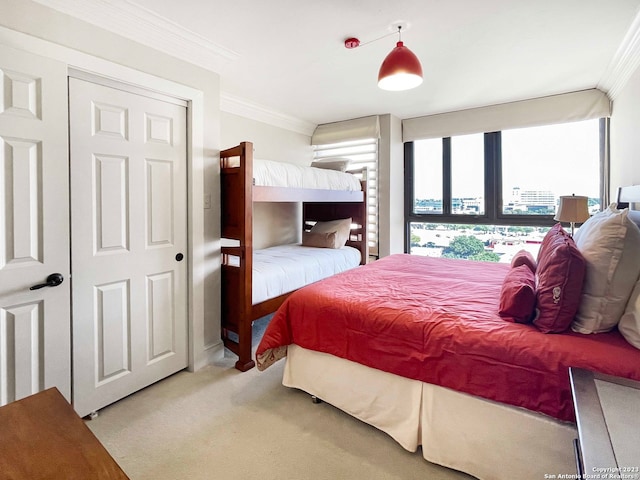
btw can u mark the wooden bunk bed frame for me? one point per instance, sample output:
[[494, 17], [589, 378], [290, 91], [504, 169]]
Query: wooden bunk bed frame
[[238, 193]]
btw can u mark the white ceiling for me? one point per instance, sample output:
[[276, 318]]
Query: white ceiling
[[289, 56]]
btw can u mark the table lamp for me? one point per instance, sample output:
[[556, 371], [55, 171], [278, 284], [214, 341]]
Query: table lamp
[[573, 209]]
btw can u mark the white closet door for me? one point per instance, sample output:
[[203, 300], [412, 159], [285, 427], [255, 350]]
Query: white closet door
[[34, 226], [128, 217]]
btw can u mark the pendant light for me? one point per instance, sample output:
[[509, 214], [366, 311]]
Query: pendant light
[[401, 69]]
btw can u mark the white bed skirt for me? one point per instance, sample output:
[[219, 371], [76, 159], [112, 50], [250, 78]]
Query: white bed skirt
[[486, 439]]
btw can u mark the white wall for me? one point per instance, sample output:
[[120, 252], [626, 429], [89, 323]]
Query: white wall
[[79, 44], [390, 187], [273, 223], [269, 142], [625, 137]]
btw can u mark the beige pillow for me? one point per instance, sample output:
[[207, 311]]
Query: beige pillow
[[320, 240], [339, 164], [340, 227], [610, 245], [629, 325]]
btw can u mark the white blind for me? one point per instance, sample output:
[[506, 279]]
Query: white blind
[[346, 131], [569, 107], [361, 153]]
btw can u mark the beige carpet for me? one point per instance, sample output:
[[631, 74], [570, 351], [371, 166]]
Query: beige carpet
[[219, 423]]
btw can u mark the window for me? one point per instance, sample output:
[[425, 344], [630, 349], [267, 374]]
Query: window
[[361, 153], [540, 164], [427, 180], [467, 174], [498, 191]]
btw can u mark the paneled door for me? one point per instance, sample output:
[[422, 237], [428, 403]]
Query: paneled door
[[35, 331], [129, 239]]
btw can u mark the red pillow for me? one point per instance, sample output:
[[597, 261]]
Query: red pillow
[[524, 258], [518, 295], [548, 239], [559, 278]]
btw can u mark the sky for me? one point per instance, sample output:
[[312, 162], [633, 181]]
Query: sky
[[561, 158]]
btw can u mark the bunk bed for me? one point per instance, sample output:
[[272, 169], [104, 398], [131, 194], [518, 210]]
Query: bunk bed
[[240, 188], [415, 346]]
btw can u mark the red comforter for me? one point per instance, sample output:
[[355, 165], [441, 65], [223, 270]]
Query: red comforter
[[436, 320]]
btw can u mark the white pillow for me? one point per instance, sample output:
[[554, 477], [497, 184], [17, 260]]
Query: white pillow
[[339, 164], [634, 216], [342, 228], [629, 325], [610, 244]]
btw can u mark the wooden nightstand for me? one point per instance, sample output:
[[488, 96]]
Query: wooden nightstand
[[607, 416], [42, 437]]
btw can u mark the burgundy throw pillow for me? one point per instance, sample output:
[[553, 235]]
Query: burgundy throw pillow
[[548, 238], [524, 258], [518, 295], [559, 278]]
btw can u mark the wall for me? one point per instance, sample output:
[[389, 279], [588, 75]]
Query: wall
[[50, 33], [625, 141], [390, 187], [269, 142], [273, 223]]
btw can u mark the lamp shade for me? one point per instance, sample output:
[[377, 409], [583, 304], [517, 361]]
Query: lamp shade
[[572, 208], [400, 70]]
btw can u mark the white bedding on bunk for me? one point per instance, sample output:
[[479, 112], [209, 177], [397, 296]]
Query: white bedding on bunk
[[284, 268], [278, 174]]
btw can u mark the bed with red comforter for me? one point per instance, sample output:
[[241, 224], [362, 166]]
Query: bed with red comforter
[[436, 321], [417, 347]]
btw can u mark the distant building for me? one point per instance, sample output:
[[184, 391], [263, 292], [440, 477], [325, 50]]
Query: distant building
[[428, 206], [540, 201]]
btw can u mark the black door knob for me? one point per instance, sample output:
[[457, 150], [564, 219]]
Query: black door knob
[[179, 257], [53, 280]]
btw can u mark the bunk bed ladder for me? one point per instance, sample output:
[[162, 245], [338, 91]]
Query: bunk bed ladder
[[237, 260]]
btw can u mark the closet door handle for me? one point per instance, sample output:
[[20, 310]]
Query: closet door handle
[[53, 280]]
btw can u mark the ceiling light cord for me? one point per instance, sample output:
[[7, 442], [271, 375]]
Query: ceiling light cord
[[379, 38]]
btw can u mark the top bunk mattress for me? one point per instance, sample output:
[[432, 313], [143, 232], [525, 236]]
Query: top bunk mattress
[[284, 268], [268, 173]]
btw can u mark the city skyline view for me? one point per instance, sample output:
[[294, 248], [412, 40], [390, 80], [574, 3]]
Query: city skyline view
[[537, 166], [512, 204]]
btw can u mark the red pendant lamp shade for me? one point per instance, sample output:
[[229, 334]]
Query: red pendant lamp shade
[[401, 70]]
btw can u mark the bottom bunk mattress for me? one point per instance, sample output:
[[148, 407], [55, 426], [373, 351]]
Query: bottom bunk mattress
[[285, 268], [436, 320]]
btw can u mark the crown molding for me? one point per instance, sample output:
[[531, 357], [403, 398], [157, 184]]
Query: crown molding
[[624, 62], [238, 106], [137, 23], [140, 24]]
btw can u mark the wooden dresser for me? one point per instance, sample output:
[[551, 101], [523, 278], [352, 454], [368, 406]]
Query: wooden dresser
[[42, 437], [608, 420]]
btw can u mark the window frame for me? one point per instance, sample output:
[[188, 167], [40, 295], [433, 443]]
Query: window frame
[[493, 197]]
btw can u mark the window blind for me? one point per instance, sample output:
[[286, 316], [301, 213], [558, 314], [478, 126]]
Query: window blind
[[568, 107], [346, 131], [361, 153]]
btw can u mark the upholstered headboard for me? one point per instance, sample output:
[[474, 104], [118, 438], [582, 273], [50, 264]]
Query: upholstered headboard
[[630, 197]]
